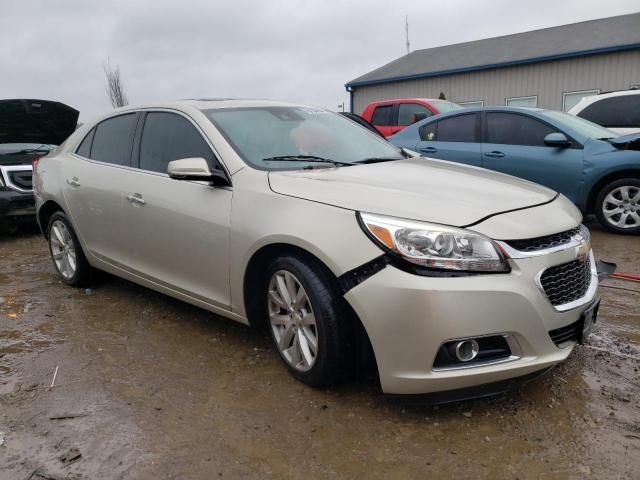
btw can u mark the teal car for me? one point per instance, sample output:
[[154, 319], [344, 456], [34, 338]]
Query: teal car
[[594, 167]]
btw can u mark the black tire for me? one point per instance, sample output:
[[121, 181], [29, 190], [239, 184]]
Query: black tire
[[600, 205], [331, 317], [83, 271]]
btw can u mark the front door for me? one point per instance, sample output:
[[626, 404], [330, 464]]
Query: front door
[[514, 144], [179, 229]]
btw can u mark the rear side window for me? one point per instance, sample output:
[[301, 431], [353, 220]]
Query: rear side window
[[512, 129], [112, 140], [410, 113], [167, 137], [84, 149], [621, 112], [383, 116], [461, 128]]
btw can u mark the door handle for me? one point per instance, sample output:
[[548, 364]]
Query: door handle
[[428, 150], [494, 154], [136, 198], [74, 182]]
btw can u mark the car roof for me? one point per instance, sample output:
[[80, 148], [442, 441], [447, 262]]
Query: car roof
[[586, 101], [214, 103], [488, 109], [408, 100]]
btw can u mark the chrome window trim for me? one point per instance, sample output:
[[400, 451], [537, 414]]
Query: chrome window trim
[[15, 168], [514, 346]]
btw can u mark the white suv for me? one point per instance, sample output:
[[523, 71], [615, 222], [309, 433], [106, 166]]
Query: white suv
[[301, 220], [618, 111]]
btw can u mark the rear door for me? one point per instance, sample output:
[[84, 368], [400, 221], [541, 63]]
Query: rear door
[[514, 144], [454, 138], [179, 230], [95, 184]]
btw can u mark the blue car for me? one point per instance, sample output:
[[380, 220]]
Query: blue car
[[592, 166]]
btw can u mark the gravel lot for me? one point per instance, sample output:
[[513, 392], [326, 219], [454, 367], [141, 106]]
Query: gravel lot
[[148, 387]]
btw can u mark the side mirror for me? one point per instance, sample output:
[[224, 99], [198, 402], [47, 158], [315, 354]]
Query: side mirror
[[419, 116], [557, 139], [196, 169]]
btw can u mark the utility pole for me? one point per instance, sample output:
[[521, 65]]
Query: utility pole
[[406, 29]]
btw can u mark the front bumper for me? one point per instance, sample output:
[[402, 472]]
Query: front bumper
[[16, 204], [408, 317]]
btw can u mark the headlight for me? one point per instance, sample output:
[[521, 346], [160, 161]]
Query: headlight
[[434, 246]]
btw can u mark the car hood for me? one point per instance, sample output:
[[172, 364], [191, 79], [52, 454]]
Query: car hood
[[627, 142], [417, 188], [36, 121]]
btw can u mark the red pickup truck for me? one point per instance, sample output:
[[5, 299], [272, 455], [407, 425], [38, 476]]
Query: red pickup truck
[[391, 116]]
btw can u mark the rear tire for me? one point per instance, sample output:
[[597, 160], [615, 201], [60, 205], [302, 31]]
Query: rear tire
[[306, 319], [66, 251], [617, 206]]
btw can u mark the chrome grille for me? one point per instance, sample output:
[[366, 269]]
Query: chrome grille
[[542, 243], [567, 282]]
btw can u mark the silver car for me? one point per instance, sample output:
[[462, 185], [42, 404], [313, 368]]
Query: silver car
[[300, 220]]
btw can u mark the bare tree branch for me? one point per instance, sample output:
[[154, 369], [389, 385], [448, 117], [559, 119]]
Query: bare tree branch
[[115, 90]]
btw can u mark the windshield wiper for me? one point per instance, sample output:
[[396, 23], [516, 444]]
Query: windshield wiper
[[307, 158], [379, 159]]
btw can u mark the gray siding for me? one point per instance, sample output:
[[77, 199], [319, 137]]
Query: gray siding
[[547, 80]]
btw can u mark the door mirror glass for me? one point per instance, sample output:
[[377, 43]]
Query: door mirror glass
[[557, 139], [195, 169]]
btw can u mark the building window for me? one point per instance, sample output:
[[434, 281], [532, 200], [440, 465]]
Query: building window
[[474, 103], [571, 99], [531, 101]]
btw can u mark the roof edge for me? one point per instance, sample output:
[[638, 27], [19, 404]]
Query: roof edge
[[475, 68]]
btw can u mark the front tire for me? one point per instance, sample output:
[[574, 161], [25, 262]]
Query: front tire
[[66, 251], [306, 319], [618, 206]]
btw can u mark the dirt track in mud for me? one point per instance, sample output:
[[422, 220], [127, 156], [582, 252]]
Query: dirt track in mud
[[151, 388]]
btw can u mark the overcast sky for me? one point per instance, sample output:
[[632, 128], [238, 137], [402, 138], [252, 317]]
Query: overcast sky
[[298, 50]]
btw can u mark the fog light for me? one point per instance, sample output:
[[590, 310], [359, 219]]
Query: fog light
[[467, 350]]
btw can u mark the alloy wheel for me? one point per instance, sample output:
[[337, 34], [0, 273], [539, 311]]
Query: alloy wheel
[[63, 249], [292, 321], [621, 207]]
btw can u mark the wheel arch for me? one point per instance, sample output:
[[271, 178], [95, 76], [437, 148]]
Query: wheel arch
[[608, 178], [44, 214], [254, 308]]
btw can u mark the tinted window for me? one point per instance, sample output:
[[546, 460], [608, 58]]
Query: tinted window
[[85, 147], [461, 128], [407, 113], [167, 137], [623, 111], [511, 129], [112, 140], [428, 132], [383, 115]]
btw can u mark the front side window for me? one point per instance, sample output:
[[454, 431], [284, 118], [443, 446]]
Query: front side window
[[258, 134], [428, 132], [410, 113], [383, 116], [461, 128], [620, 112], [167, 137], [112, 140], [513, 129]]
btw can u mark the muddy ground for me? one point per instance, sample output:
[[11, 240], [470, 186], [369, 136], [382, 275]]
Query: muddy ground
[[151, 388]]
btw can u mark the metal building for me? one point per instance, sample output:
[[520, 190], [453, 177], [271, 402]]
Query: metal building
[[549, 68]]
